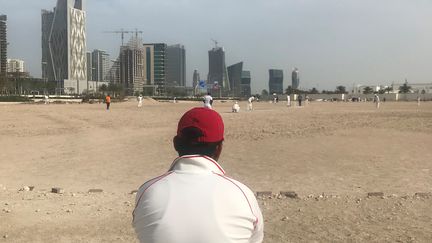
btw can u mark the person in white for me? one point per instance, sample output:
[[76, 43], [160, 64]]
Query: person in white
[[194, 201], [418, 101], [208, 101], [46, 99], [140, 100], [377, 101], [249, 105], [236, 107], [288, 100]]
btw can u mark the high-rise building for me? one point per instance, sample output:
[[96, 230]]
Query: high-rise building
[[295, 78], [3, 45], [175, 65], [155, 54], [132, 69], [235, 77], [217, 69], [276, 81], [100, 65], [64, 44], [195, 78], [15, 66], [89, 65], [245, 86]]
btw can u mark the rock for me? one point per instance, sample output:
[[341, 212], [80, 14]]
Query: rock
[[290, 194], [285, 218], [57, 190], [37, 210], [69, 211], [95, 191], [31, 188], [5, 236], [423, 195], [375, 194], [264, 194], [134, 192], [279, 196], [24, 189]]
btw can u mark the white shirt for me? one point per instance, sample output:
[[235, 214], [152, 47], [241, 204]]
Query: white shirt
[[194, 202], [207, 101], [251, 99]]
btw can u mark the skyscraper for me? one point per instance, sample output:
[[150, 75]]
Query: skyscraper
[[295, 77], [217, 69], [64, 44], [132, 70], [235, 77], [195, 78], [175, 70], [3, 45], [245, 84], [15, 66], [276, 81], [100, 65], [155, 54]]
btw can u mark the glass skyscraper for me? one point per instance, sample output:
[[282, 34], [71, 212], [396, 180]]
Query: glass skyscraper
[[235, 77], [295, 78], [175, 70], [217, 69], [276, 81], [3, 45]]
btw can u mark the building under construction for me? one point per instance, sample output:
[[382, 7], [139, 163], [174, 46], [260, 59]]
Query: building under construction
[[131, 64], [3, 45]]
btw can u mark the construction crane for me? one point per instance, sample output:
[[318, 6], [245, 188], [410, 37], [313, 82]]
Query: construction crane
[[122, 32], [216, 43]]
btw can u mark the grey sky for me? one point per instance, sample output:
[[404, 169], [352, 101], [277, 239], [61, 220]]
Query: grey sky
[[332, 42]]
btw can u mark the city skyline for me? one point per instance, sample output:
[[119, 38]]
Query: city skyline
[[332, 43]]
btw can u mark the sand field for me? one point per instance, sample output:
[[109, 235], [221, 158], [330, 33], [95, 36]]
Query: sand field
[[330, 154]]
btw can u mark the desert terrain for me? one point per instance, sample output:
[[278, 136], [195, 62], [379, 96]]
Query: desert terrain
[[331, 154]]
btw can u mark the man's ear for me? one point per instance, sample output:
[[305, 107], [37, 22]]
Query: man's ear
[[218, 151], [176, 143]]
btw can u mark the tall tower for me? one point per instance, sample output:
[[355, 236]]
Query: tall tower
[[64, 43], [100, 65], [3, 45], [175, 65], [235, 76], [155, 65], [195, 78], [217, 69], [295, 77], [276, 81]]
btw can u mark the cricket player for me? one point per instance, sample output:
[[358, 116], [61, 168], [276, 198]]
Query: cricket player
[[140, 100], [194, 201], [249, 105], [236, 107], [208, 101], [108, 101], [288, 100], [46, 99], [377, 101]]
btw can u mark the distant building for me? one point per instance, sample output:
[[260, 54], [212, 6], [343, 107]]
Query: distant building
[[64, 45], [89, 65], [235, 77], [3, 45], [175, 65], [15, 66], [245, 85], [155, 54], [195, 78], [295, 79], [217, 69], [276, 81], [100, 65], [132, 70]]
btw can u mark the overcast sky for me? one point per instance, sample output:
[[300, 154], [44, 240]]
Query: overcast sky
[[331, 42]]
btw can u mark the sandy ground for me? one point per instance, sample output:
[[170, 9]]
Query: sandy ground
[[331, 154]]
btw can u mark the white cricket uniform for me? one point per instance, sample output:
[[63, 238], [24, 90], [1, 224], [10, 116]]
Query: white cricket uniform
[[207, 101], [236, 107], [377, 100], [288, 100], [46, 99], [140, 101], [194, 202], [249, 107]]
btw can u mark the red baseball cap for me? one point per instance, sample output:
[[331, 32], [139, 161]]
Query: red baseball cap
[[207, 121]]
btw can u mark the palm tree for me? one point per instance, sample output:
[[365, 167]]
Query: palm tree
[[340, 89], [367, 90], [404, 88]]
